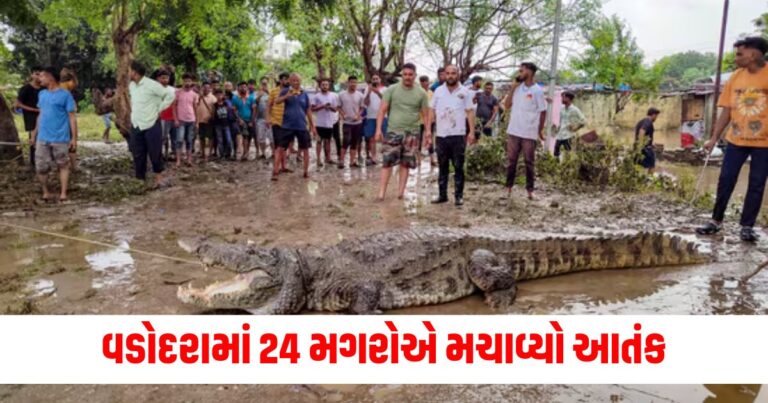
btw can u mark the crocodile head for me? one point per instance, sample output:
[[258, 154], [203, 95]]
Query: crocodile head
[[256, 285]]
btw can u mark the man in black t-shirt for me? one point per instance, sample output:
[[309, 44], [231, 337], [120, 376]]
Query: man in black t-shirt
[[27, 101], [487, 109], [644, 130]]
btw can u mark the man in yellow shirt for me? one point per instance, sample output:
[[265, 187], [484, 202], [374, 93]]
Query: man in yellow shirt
[[745, 106]]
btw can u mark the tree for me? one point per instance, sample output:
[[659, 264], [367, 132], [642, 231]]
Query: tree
[[380, 30], [683, 69], [614, 59], [495, 35], [324, 42], [16, 13], [203, 35], [79, 48]]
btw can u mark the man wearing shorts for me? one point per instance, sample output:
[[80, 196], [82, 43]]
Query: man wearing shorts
[[644, 133], [297, 120], [243, 102], [405, 103], [260, 106], [324, 105], [351, 102], [205, 107], [372, 105], [55, 134], [275, 113]]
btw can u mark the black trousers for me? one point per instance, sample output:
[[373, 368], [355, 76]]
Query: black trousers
[[147, 143], [450, 151], [566, 144], [337, 138], [734, 159]]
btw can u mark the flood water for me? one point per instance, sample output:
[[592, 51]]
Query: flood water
[[237, 202]]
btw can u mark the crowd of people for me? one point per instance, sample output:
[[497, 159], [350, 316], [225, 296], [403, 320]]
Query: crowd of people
[[383, 125]]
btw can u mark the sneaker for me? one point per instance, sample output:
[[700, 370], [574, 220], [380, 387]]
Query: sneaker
[[440, 200], [459, 201], [748, 234], [709, 229]]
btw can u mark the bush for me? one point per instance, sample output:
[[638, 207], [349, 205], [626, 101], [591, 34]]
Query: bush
[[487, 160], [600, 166]]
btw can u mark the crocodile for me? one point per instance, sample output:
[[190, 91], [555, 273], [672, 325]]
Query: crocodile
[[412, 267]]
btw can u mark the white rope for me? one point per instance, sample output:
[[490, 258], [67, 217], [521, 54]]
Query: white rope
[[78, 239]]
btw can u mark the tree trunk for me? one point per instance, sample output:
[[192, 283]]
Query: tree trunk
[[125, 42], [8, 133]]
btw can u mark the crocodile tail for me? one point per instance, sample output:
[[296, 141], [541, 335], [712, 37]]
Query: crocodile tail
[[553, 256]]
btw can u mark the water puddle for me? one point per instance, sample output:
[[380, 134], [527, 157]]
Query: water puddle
[[41, 288], [114, 266]]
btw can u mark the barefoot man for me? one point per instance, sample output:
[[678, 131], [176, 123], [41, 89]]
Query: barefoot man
[[55, 134], [405, 103]]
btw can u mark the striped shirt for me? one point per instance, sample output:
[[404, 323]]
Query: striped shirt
[[276, 111]]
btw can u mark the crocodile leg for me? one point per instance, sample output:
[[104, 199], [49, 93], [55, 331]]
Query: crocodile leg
[[366, 299], [493, 277]]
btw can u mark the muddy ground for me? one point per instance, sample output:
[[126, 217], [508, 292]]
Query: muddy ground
[[42, 274]]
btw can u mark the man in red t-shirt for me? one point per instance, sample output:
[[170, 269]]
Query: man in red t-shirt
[[167, 117]]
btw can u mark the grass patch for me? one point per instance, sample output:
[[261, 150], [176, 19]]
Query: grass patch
[[90, 126]]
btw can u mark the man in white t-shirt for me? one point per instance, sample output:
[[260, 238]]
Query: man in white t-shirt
[[526, 124], [372, 103], [325, 104], [451, 108]]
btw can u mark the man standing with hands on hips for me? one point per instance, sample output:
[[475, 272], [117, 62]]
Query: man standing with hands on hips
[[452, 106], [527, 118]]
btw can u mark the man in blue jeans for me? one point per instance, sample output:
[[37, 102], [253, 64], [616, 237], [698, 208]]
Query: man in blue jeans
[[745, 107]]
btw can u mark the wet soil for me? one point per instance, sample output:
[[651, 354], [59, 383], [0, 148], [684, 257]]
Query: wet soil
[[236, 201]]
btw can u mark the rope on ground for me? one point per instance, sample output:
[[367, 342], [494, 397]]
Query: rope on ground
[[8, 162], [108, 245], [9, 143], [760, 268]]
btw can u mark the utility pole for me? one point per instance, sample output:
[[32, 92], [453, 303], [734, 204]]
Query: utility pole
[[553, 67], [719, 68]]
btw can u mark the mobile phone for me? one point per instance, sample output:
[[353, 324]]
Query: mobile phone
[[519, 79]]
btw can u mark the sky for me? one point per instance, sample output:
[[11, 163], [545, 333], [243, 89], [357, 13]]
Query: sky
[[664, 27]]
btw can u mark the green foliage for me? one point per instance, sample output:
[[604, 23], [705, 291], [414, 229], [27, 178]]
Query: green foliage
[[486, 160], [683, 188], [326, 48], [205, 35], [683, 69], [586, 168], [614, 58]]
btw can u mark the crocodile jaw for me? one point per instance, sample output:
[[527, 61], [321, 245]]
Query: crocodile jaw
[[252, 290]]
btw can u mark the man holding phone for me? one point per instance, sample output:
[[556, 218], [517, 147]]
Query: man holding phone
[[528, 115], [324, 105]]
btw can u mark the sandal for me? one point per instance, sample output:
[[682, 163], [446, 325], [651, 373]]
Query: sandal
[[709, 229], [274, 177]]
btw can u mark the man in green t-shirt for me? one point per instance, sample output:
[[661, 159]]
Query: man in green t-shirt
[[407, 106]]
